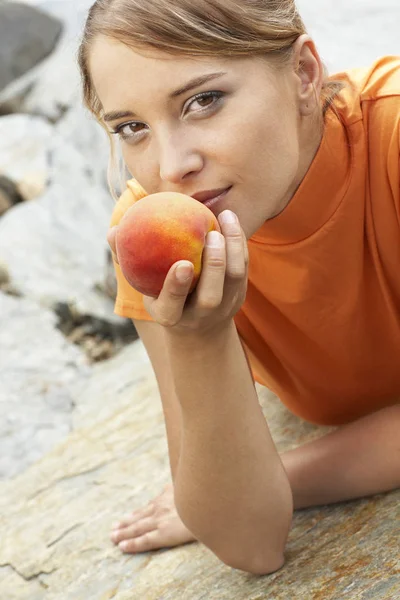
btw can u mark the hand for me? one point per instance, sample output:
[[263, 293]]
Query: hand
[[155, 526], [220, 291]]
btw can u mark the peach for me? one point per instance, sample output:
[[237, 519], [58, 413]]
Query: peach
[[156, 232]]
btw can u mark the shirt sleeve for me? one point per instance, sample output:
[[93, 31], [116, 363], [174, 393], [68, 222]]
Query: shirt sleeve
[[129, 302]]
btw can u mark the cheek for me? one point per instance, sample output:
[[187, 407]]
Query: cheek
[[265, 137], [273, 147], [141, 167]]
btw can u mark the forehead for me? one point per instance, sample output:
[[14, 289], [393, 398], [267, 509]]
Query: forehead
[[118, 71]]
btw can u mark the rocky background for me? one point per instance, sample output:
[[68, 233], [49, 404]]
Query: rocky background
[[81, 431], [56, 290]]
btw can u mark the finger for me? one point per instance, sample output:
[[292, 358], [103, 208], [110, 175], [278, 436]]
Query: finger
[[245, 250], [149, 541], [210, 288], [132, 518], [235, 258], [111, 242], [135, 530], [168, 307]]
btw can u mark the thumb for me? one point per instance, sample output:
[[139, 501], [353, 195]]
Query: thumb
[[167, 309]]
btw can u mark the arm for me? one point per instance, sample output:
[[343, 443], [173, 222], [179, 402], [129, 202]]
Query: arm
[[230, 485], [358, 459], [231, 489], [152, 336]]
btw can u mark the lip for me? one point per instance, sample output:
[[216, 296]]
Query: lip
[[216, 204], [208, 195]]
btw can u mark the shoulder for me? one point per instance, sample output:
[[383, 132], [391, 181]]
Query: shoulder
[[370, 101], [380, 101], [132, 194], [365, 87]]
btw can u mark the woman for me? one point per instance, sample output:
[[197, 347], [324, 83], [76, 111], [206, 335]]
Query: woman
[[228, 99]]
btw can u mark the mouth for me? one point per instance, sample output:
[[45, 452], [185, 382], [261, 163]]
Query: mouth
[[212, 197]]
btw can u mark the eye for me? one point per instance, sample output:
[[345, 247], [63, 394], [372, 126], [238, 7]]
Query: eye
[[132, 131], [206, 100], [128, 131]]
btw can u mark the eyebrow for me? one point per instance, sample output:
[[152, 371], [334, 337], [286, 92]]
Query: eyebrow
[[190, 85]]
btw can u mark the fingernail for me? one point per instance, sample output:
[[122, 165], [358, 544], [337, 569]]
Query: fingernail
[[228, 217], [214, 239], [183, 273], [123, 545], [115, 526]]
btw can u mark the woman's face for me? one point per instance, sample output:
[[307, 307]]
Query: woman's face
[[242, 129]]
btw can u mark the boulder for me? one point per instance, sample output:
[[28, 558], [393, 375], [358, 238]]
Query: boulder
[[52, 86], [63, 230], [24, 140], [27, 35]]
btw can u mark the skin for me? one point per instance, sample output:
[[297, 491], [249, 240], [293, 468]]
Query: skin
[[261, 138]]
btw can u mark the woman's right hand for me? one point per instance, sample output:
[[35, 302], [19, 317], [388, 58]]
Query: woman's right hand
[[220, 291]]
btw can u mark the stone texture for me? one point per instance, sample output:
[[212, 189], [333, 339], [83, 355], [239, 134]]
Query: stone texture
[[55, 517], [63, 231], [38, 369], [24, 142], [53, 86], [27, 35]]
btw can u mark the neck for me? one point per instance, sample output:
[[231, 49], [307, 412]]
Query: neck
[[309, 144]]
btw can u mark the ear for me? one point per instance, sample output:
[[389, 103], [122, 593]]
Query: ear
[[309, 74]]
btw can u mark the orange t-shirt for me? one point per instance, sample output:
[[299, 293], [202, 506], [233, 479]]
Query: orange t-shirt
[[321, 319]]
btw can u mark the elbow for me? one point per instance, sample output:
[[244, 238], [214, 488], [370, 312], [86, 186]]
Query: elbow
[[255, 555], [262, 556], [257, 565]]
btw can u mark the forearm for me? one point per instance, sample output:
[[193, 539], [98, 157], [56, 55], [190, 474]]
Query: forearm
[[231, 489], [358, 459]]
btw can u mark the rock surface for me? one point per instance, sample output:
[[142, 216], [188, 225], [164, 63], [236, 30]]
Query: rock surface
[[53, 246], [27, 35], [38, 368], [55, 518]]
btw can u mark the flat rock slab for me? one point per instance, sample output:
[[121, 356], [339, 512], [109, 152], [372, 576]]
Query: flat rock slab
[[55, 517]]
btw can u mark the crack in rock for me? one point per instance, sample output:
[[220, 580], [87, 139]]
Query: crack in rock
[[66, 478], [63, 535], [24, 577]]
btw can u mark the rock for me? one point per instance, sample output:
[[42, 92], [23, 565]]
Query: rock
[[53, 86], [55, 517], [27, 35], [9, 194], [39, 370], [99, 338], [64, 230], [110, 280], [4, 274], [5, 203], [24, 159], [80, 130]]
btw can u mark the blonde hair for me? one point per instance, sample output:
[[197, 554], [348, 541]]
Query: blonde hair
[[218, 28]]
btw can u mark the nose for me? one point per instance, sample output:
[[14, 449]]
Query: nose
[[178, 159]]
